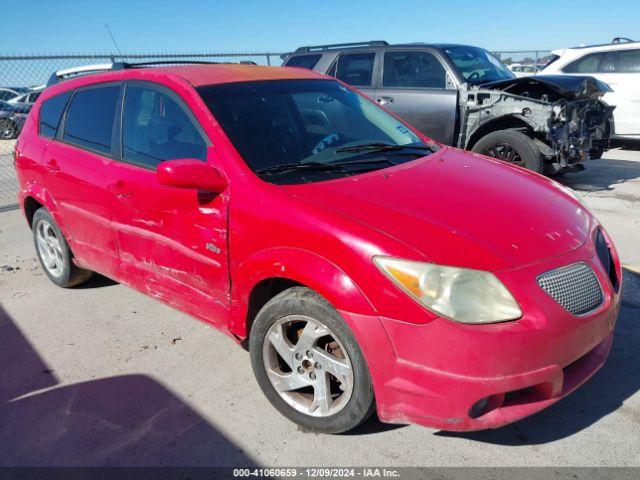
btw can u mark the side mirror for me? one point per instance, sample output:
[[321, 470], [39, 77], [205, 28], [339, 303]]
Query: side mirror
[[190, 173]]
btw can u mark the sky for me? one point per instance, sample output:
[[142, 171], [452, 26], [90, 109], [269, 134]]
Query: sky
[[78, 26]]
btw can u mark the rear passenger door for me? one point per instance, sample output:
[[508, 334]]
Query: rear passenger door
[[76, 164], [172, 241], [415, 85], [356, 69]]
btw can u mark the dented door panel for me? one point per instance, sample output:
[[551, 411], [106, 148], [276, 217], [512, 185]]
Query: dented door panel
[[172, 242]]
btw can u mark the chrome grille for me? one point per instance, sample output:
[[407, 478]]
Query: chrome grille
[[575, 287]]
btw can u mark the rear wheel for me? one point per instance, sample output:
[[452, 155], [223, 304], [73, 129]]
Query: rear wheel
[[54, 252], [511, 146], [308, 364]]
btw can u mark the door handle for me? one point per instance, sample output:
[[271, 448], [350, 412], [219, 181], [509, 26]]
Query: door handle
[[52, 166], [384, 100], [119, 189]]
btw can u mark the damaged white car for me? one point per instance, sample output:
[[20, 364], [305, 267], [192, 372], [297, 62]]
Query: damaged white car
[[464, 96]]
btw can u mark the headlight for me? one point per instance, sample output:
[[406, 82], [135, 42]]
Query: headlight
[[461, 294]]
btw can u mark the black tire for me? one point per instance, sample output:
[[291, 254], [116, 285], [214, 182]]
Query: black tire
[[305, 302], [596, 153], [70, 275], [8, 130], [511, 146]]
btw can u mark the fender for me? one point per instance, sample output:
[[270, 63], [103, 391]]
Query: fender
[[44, 197], [503, 122], [299, 265]]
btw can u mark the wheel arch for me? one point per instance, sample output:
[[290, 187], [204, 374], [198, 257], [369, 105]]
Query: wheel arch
[[501, 123], [35, 197], [267, 273], [31, 205]]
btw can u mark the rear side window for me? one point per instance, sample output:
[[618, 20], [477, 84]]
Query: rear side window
[[626, 61], [156, 127], [355, 68], [304, 61], [588, 64], [89, 122], [50, 114], [413, 70]]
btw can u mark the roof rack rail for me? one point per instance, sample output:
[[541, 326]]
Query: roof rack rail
[[84, 70], [106, 67], [372, 43], [622, 40]]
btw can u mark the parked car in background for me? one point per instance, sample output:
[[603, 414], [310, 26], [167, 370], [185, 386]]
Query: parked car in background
[[523, 70], [464, 96], [356, 259], [28, 97], [617, 64], [12, 118], [7, 94]]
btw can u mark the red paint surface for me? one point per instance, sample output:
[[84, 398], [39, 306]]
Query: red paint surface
[[204, 253]]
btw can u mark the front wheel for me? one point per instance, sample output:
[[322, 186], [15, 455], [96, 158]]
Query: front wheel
[[596, 153], [511, 146], [308, 363]]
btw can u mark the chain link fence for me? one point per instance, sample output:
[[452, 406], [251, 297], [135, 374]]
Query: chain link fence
[[23, 76]]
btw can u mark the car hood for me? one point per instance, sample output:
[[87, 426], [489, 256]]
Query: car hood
[[570, 86], [461, 209]]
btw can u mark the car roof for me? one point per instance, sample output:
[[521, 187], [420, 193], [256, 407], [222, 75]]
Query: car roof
[[196, 75], [374, 45], [199, 75], [601, 47]]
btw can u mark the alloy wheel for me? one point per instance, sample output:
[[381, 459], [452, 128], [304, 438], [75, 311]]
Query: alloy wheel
[[7, 130], [307, 365], [49, 248]]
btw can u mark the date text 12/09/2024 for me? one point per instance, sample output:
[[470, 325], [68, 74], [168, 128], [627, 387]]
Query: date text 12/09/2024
[[308, 472]]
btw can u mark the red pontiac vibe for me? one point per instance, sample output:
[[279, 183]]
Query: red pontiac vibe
[[365, 267]]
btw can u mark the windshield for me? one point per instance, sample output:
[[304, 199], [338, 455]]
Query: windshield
[[296, 131], [477, 65]]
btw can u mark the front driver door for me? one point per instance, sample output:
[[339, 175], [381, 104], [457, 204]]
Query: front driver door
[[172, 242], [415, 86]]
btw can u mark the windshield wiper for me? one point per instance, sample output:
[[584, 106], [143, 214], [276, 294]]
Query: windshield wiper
[[319, 166], [386, 147], [290, 167]]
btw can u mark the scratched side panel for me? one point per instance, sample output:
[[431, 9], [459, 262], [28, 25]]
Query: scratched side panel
[[172, 243]]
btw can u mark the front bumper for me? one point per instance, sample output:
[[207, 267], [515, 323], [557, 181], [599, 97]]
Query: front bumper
[[433, 374]]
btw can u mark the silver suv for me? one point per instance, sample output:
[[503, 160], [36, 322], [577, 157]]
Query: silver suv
[[466, 97]]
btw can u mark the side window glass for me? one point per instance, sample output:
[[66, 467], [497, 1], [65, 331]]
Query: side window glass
[[50, 114], [155, 128], [587, 64], [355, 69], [413, 70], [304, 61], [89, 122], [627, 61]]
